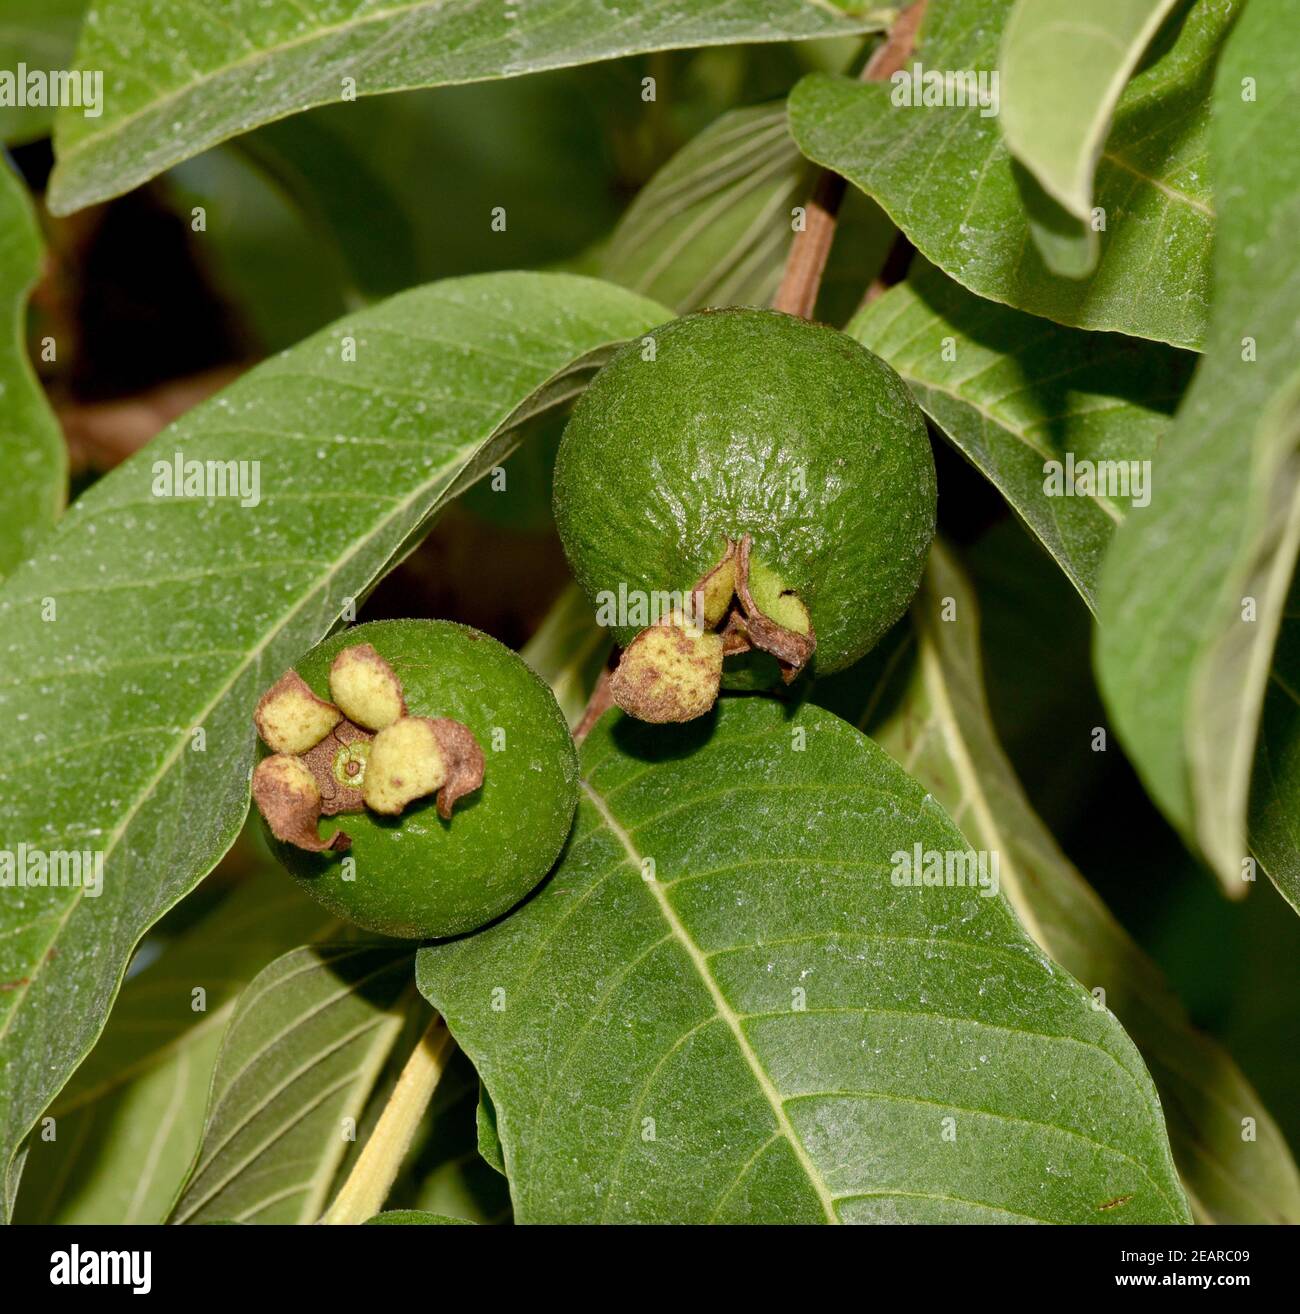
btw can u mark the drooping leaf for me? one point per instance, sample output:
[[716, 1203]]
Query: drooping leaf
[[147, 619], [538, 147], [283, 277], [1152, 278], [1026, 401], [714, 226], [42, 35], [1063, 72], [214, 79], [721, 1006], [128, 1124], [32, 455], [305, 1046], [568, 651], [1194, 590], [489, 1139], [1273, 818], [938, 723]]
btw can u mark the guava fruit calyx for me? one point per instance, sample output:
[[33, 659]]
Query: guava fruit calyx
[[672, 670], [324, 763]]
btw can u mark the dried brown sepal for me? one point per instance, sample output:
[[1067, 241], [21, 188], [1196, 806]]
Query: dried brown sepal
[[290, 718], [286, 794], [791, 649], [669, 674], [366, 687], [464, 760]]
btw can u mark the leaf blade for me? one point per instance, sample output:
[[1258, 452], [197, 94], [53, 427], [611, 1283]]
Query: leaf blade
[[1152, 279], [622, 1018], [32, 452], [1063, 80], [148, 1077], [1014, 393], [940, 724], [305, 1046], [1182, 658], [296, 54]]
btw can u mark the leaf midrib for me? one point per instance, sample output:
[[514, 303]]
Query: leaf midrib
[[722, 1009]]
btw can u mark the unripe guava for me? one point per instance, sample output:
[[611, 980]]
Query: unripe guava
[[442, 765], [774, 473]]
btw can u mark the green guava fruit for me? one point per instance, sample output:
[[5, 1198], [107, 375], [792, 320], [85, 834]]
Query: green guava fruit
[[416, 777], [743, 487]]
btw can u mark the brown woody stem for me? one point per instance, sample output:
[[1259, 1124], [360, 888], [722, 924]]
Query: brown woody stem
[[811, 248]]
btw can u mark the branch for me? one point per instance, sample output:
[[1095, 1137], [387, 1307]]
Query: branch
[[808, 254]]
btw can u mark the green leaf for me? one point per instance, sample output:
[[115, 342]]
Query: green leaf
[[489, 1139], [1014, 393], [128, 1124], [173, 615], [306, 1045], [539, 147], [946, 178], [1194, 589], [414, 1218], [279, 271], [1062, 78], [764, 1027], [714, 226], [938, 723], [1273, 817], [32, 454], [41, 34], [287, 55], [569, 652]]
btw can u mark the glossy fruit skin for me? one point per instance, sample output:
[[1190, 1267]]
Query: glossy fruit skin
[[416, 876], [752, 421]]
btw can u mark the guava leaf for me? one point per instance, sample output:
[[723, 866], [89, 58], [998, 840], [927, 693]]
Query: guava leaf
[[279, 57], [128, 1123], [721, 1007], [307, 1042], [41, 34], [489, 1139], [569, 651], [937, 721], [1273, 819], [1152, 278], [32, 454], [1194, 590], [145, 619], [1063, 71], [1014, 392], [712, 227]]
